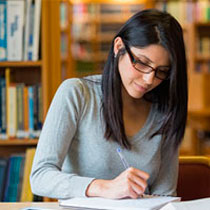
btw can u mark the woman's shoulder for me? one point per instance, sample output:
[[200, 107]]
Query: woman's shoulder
[[82, 85]]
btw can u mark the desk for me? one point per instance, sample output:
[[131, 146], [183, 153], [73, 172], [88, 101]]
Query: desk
[[20, 205]]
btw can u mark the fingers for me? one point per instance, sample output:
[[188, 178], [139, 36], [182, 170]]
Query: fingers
[[138, 181], [139, 173]]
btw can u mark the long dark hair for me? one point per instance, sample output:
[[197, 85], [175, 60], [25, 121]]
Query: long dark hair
[[143, 29]]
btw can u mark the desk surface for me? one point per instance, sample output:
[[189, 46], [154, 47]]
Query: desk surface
[[18, 206]]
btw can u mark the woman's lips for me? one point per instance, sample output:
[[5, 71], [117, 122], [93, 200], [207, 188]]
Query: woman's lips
[[141, 88]]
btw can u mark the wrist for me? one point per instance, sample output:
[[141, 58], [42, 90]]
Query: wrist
[[97, 188]]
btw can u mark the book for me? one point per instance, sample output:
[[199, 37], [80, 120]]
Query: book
[[3, 30], [26, 28], [26, 193], [36, 34], [20, 111], [2, 108], [198, 204], [12, 111], [13, 178], [26, 111], [32, 30], [31, 111], [3, 168], [144, 203], [15, 21]]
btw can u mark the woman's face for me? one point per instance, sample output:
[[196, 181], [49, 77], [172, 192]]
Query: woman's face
[[135, 82]]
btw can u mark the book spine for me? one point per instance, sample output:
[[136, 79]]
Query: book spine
[[15, 21], [26, 111], [31, 34], [20, 110], [26, 29], [12, 110], [37, 18], [3, 30], [3, 109], [40, 109], [3, 169], [31, 109]]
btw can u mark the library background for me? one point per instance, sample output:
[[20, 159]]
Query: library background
[[43, 42]]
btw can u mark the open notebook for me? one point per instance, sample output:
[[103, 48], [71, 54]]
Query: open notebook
[[145, 203], [199, 204]]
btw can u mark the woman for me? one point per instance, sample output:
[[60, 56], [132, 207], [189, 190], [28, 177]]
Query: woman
[[139, 105]]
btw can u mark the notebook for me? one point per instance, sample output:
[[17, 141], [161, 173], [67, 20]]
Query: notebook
[[144, 203], [199, 204]]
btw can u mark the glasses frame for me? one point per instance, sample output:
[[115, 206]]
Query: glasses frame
[[134, 61]]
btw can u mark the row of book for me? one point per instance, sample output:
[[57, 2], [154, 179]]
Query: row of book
[[80, 9], [202, 67], [19, 30], [14, 177], [203, 45], [21, 113], [186, 11]]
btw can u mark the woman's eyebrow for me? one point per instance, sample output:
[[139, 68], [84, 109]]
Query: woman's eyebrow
[[139, 56], [150, 61]]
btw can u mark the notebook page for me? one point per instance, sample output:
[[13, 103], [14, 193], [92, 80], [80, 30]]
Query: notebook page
[[146, 203], [201, 204]]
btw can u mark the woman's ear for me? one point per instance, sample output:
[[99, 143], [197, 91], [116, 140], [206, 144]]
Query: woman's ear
[[118, 44]]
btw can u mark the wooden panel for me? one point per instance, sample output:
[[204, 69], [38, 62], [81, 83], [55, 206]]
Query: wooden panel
[[199, 94]]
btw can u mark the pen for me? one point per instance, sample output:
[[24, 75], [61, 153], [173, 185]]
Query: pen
[[124, 161], [126, 166]]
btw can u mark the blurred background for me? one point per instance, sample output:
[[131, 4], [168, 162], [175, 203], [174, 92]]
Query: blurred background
[[43, 42]]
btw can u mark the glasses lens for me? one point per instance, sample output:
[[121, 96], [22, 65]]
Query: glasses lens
[[162, 74], [142, 67]]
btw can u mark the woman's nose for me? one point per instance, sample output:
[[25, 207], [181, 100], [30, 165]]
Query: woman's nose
[[149, 78]]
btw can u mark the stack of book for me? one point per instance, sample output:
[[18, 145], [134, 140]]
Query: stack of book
[[21, 113], [19, 30], [14, 177]]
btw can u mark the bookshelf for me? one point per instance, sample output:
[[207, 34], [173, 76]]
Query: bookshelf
[[195, 19], [89, 30], [45, 71]]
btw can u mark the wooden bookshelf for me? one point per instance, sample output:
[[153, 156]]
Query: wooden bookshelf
[[21, 64], [196, 30], [19, 142]]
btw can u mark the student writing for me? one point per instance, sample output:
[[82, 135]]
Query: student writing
[[139, 103]]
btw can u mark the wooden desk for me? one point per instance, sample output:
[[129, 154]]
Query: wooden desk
[[18, 206]]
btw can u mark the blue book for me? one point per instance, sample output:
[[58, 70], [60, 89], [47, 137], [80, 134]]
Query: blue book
[[3, 167], [13, 178], [2, 108], [3, 30], [31, 110], [10, 173], [31, 33]]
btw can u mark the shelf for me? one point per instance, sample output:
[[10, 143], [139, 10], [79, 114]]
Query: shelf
[[65, 29], [202, 24], [108, 1], [21, 64], [107, 18], [200, 112], [19, 142], [200, 57]]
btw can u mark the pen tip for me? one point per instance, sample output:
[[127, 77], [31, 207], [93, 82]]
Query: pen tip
[[118, 149]]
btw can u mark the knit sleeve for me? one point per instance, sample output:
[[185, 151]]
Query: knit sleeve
[[47, 178]]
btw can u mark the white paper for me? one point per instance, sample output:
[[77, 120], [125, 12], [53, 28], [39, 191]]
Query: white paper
[[199, 204], [146, 203]]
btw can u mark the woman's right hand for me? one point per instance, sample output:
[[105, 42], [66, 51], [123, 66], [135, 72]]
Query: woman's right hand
[[130, 183]]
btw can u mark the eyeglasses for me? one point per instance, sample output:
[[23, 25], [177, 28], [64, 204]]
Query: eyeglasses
[[162, 74]]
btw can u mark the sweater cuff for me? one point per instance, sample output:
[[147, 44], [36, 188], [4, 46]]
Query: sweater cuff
[[80, 185]]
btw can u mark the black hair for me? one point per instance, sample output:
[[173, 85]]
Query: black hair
[[143, 29]]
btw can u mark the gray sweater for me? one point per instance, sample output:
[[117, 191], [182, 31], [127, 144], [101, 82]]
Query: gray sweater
[[72, 150]]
